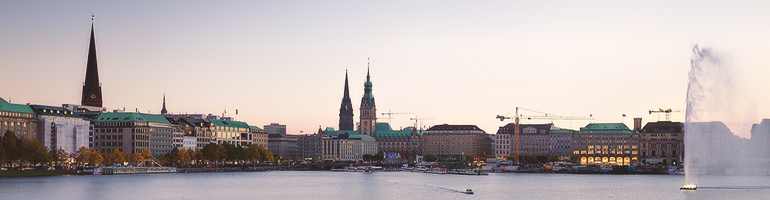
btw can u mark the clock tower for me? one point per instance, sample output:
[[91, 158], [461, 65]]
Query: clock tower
[[368, 108]]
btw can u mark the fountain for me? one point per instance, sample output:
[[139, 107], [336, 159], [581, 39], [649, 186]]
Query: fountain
[[715, 108]]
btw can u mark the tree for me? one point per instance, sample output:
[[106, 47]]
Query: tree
[[36, 153], [146, 154], [430, 158], [214, 152], [172, 155], [11, 146], [83, 155], [184, 156], [368, 157], [95, 157], [59, 156]]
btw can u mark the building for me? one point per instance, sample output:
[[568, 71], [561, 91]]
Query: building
[[259, 136], [19, 119], [606, 144], [346, 108], [92, 88], [189, 142], [348, 148], [284, 147], [456, 140], [231, 132], [712, 148], [406, 142], [662, 140], [760, 140], [275, 128], [194, 126], [541, 141], [310, 147], [132, 132], [368, 108], [61, 128]]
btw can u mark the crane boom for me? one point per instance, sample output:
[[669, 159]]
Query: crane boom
[[667, 112], [516, 117]]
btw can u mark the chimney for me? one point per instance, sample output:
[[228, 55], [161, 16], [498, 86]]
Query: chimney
[[638, 123]]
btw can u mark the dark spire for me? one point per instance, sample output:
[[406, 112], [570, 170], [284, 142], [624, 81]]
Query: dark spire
[[164, 111], [346, 108], [92, 89]]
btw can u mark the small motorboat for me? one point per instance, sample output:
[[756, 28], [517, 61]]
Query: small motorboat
[[468, 191], [689, 187]]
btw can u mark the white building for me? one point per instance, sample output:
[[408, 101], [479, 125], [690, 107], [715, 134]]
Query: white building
[[60, 128], [348, 147], [189, 142]]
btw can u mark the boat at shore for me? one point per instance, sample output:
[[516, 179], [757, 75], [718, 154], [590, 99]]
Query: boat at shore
[[133, 170]]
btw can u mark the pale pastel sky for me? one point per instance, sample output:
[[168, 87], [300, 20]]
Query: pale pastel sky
[[458, 62]]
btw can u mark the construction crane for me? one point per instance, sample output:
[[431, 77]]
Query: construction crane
[[390, 114], [544, 115], [417, 120], [666, 111]]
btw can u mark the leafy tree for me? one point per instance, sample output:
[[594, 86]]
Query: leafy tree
[[430, 158], [83, 155], [172, 155], [36, 153], [214, 152], [184, 156], [368, 157], [146, 154], [12, 148], [95, 158], [59, 156]]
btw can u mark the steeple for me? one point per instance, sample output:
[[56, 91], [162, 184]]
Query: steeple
[[368, 109], [346, 108], [92, 89], [164, 111]]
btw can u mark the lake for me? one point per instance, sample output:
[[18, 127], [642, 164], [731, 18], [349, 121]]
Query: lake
[[380, 185]]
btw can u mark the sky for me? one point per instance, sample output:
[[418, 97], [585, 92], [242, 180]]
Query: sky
[[453, 62]]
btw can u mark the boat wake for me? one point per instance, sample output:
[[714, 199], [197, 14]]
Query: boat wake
[[735, 188]]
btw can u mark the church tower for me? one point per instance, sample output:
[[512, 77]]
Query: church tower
[[164, 111], [92, 88], [346, 109], [368, 108]]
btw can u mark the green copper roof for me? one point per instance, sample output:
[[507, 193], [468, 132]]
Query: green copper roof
[[254, 127], [605, 128], [562, 131], [359, 136], [131, 117], [10, 107], [237, 124], [384, 131]]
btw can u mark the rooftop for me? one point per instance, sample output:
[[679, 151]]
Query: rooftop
[[605, 128], [131, 117], [11, 107]]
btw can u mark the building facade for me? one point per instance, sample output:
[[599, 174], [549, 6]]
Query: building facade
[[19, 119], [231, 132], [61, 128], [348, 148], [606, 144], [540, 141], [259, 135], [132, 132], [406, 142], [456, 140], [275, 128], [663, 140], [310, 147], [284, 147]]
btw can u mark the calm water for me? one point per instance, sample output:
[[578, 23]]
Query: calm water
[[380, 185]]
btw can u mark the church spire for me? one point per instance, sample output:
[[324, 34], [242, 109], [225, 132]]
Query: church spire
[[92, 89], [368, 109], [164, 111], [346, 108]]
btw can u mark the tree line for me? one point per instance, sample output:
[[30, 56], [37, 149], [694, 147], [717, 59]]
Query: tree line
[[15, 151]]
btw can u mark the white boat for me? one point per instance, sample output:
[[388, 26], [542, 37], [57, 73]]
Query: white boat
[[468, 191]]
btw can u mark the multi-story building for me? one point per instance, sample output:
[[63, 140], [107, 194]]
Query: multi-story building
[[663, 140], [406, 142], [132, 132], [456, 140], [310, 147], [189, 142], [282, 146], [606, 144], [196, 126], [560, 143], [19, 119], [61, 128], [231, 132], [345, 147], [275, 128], [535, 140], [259, 136], [760, 140]]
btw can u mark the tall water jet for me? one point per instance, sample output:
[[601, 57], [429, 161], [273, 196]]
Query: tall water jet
[[710, 146]]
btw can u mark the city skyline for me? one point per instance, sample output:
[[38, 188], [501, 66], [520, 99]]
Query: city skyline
[[459, 64]]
